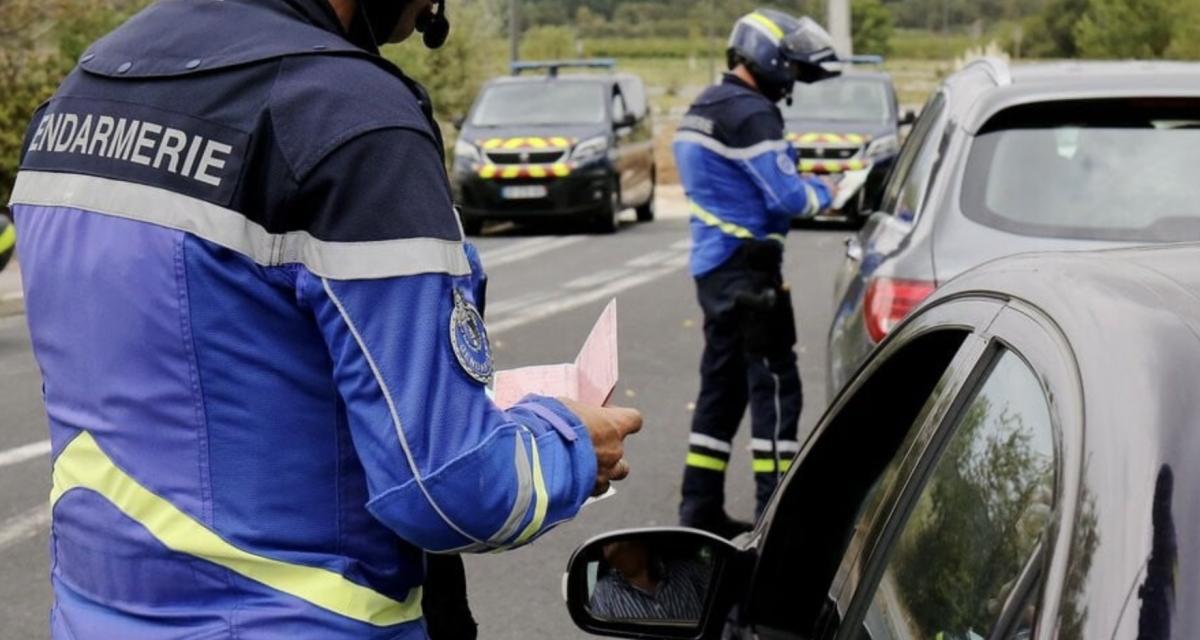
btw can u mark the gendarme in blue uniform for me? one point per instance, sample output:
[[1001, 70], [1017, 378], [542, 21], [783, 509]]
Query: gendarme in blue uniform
[[739, 173], [744, 190], [257, 324]]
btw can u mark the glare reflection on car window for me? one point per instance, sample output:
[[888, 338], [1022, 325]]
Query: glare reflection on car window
[[978, 519]]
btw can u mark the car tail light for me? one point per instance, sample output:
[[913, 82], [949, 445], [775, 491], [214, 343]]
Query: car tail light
[[889, 301]]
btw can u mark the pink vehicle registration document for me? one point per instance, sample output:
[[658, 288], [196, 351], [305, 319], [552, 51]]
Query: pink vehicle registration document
[[590, 379]]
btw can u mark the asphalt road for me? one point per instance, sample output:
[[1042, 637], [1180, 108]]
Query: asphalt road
[[545, 292]]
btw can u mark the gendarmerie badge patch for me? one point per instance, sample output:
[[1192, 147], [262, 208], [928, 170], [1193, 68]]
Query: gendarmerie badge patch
[[470, 341]]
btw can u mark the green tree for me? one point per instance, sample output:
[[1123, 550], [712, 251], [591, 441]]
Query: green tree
[[1185, 43], [1051, 33], [548, 43], [1126, 28], [454, 73], [872, 27], [26, 79]]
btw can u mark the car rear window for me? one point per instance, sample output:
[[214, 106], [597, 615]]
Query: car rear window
[[551, 102], [1113, 169]]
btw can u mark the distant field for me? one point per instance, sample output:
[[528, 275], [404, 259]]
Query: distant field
[[677, 69], [674, 82]]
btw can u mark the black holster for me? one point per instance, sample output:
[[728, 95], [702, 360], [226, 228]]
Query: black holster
[[764, 304]]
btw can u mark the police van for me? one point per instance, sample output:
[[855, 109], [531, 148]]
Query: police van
[[847, 124], [556, 147]]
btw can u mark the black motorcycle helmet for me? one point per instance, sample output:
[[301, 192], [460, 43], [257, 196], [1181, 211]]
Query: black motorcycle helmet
[[780, 50]]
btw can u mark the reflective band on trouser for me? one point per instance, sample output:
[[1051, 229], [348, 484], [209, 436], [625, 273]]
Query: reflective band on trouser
[[83, 465], [8, 238], [702, 461], [707, 452], [767, 465]]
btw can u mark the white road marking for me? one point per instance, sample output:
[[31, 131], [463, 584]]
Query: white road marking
[[598, 278], [526, 250], [572, 301], [653, 258], [23, 453], [24, 526], [508, 305], [513, 247]]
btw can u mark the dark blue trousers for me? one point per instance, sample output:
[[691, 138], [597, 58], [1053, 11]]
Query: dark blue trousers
[[748, 360]]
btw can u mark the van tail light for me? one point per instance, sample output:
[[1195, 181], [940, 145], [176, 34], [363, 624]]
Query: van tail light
[[889, 301]]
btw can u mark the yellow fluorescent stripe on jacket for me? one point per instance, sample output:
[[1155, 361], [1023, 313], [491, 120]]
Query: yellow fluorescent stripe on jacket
[[540, 495], [706, 462], [83, 465], [728, 228], [8, 238]]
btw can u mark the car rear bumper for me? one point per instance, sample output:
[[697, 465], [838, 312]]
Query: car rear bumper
[[583, 192]]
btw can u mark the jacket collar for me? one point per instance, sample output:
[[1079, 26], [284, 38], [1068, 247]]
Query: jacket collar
[[181, 37]]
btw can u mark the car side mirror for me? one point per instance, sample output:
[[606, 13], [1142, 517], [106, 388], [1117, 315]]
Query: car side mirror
[[625, 122], [908, 119], [652, 583], [459, 121]]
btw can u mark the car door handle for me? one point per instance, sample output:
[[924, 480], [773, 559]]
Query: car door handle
[[854, 250]]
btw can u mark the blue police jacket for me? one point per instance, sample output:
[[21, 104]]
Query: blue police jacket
[[739, 173], [258, 329]]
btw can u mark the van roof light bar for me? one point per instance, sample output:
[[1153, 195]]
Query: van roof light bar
[[552, 67]]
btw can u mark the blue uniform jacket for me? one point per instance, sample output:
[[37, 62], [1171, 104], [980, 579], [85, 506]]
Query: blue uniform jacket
[[739, 173], [256, 321]]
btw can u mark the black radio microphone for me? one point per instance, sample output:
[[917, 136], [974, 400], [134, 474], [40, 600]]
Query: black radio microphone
[[435, 28]]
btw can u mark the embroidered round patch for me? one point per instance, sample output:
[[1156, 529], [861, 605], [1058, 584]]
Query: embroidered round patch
[[785, 164], [469, 339]]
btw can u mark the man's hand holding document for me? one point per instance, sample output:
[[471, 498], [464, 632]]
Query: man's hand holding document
[[584, 386], [589, 380]]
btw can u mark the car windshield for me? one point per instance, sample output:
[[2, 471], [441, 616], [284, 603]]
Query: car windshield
[[1119, 170], [541, 103], [844, 98]]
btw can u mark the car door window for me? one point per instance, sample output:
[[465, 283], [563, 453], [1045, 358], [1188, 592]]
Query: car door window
[[905, 190], [618, 108], [978, 520], [814, 519]]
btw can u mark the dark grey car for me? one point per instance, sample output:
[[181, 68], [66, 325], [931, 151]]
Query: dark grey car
[[1017, 460], [1005, 161]]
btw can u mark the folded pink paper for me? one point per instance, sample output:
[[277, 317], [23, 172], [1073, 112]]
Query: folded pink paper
[[590, 379]]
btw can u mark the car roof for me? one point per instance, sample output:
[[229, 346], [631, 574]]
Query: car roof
[[987, 86], [1131, 319], [597, 78], [881, 76]]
